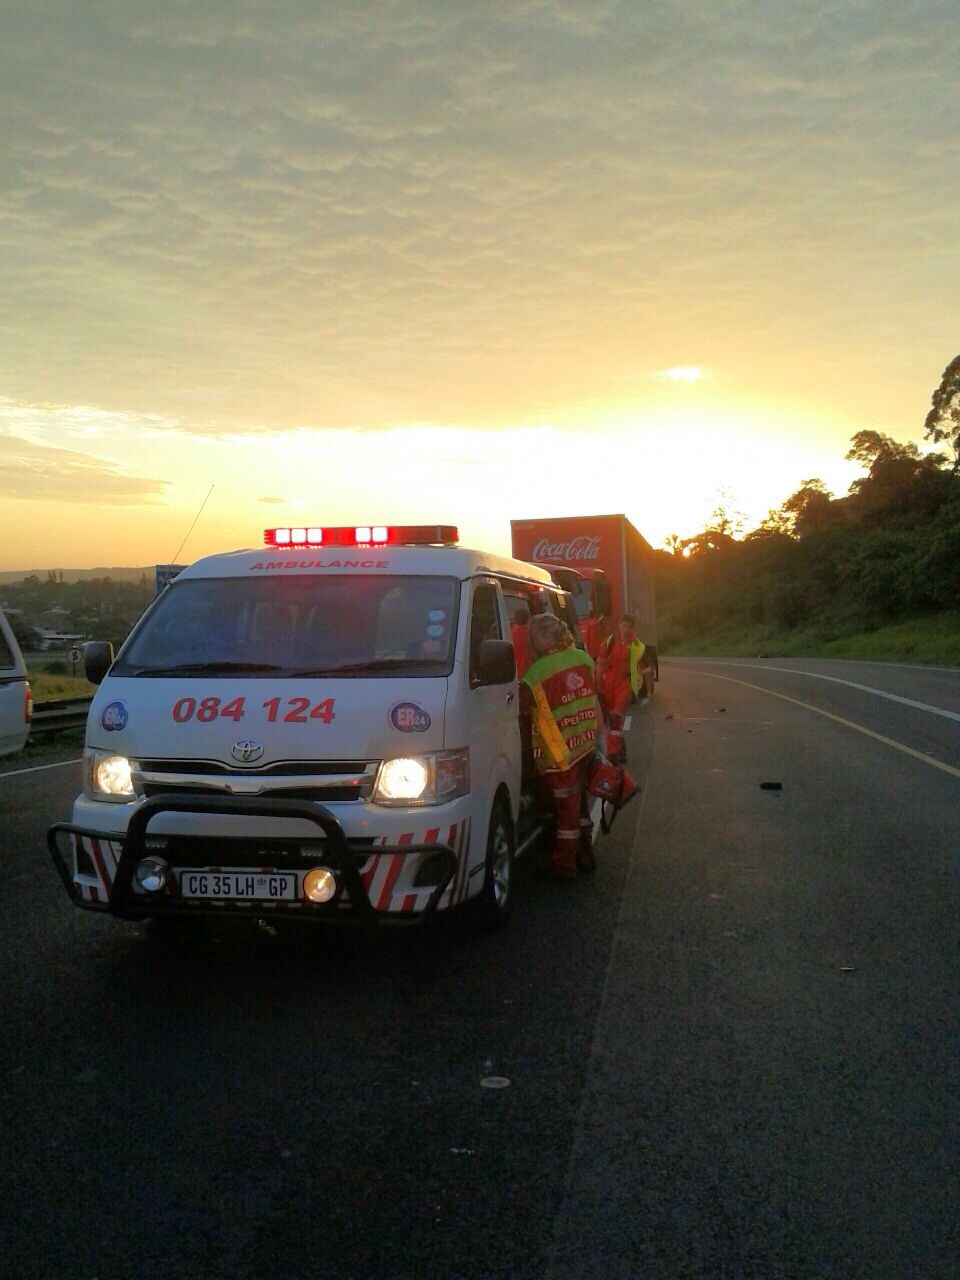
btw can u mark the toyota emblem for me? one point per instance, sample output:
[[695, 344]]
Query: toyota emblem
[[246, 750]]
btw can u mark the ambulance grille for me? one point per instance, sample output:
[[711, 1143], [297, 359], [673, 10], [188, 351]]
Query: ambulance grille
[[289, 768], [327, 782], [323, 795]]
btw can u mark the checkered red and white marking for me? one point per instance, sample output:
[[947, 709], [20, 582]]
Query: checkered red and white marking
[[381, 872]]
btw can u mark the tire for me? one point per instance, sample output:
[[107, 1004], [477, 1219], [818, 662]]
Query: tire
[[492, 908]]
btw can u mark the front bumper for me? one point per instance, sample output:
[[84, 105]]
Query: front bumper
[[113, 856]]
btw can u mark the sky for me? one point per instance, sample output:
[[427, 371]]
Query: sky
[[457, 261]]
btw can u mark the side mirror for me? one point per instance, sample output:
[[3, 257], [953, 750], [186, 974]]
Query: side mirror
[[97, 659], [498, 664], [603, 597]]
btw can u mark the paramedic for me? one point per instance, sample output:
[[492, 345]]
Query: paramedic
[[559, 692], [622, 673], [519, 634]]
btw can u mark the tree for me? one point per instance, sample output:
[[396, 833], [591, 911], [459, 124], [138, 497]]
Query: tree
[[773, 524], [873, 448], [708, 542], [727, 520], [899, 480], [808, 510], [943, 420]]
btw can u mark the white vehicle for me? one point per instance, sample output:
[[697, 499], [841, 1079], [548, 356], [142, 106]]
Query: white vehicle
[[328, 729], [16, 702]]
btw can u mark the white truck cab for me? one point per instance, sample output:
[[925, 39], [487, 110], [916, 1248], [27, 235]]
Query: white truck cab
[[326, 728], [16, 702]]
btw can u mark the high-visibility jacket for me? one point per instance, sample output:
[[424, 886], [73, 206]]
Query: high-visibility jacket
[[622, 663], [564, 709]]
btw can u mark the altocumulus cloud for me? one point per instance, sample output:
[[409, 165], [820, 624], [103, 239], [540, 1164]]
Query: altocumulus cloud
[[36, 472], [358, 214]]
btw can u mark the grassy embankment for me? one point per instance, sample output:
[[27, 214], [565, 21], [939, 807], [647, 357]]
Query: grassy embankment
[[934, 640], [48, 688]]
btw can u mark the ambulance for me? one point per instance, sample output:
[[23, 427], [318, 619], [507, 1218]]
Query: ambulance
[[324, 729]]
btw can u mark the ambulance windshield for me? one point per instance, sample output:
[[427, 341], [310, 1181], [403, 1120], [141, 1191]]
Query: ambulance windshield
[[297, 626]]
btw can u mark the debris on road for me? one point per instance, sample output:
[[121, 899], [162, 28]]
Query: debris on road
[[771, 786], [494, 1082]]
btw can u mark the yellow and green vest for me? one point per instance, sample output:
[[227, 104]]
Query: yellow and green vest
[[565, 715]]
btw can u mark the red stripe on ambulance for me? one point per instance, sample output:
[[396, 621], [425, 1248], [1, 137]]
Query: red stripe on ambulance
[[101, 868], [393, 874], [409, 900]]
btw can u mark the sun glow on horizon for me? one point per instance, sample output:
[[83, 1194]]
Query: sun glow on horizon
[[664, 464], [683, 373]]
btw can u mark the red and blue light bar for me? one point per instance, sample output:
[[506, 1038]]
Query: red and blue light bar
[[362, 535]]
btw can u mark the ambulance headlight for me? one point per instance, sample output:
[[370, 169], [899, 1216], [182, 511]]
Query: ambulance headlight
[[418, 780], [403, 781], [107, 776]]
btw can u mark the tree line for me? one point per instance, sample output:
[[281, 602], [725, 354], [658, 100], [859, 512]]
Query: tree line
[[97, 608], [887, 551]]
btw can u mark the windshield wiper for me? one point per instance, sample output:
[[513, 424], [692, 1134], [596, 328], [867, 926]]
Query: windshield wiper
[[375, 664], [203, 668]]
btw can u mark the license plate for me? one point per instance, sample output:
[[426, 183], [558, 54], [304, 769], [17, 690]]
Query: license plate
[[261, 886]]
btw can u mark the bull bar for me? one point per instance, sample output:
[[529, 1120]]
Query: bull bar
[[337, 854]]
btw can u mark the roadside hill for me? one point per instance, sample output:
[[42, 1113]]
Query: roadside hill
[[78, 575]]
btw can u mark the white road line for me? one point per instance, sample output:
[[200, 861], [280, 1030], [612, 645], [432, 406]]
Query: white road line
[[38, 768], [848, 724], [864, 688]]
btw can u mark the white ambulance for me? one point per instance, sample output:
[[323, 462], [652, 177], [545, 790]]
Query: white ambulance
[[324, 729]]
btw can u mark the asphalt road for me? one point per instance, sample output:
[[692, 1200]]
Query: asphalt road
[[731, 1053]]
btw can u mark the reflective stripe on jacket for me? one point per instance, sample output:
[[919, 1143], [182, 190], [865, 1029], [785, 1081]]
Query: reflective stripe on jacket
[[565, 712]]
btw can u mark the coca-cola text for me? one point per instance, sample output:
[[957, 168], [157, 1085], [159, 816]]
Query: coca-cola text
[[582, 547]]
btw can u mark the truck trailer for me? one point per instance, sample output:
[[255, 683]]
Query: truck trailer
[[605, 563]]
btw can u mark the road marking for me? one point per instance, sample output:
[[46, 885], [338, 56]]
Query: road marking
[[865, 688], [849, 724], [38, 768]]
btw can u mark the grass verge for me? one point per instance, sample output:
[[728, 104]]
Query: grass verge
[[933, 640], [51, 688]]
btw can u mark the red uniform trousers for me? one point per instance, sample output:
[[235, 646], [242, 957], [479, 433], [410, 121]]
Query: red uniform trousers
[[573, 838], [615, 712]]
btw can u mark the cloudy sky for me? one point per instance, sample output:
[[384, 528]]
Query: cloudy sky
[[460, 260]]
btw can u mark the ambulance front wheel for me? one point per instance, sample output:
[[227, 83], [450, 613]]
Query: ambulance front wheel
[[493, 905]]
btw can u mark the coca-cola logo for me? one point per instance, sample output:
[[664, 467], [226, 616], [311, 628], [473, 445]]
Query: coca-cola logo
[[582, 547]]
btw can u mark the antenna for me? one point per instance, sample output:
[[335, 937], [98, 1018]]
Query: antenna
[[190, 530]]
